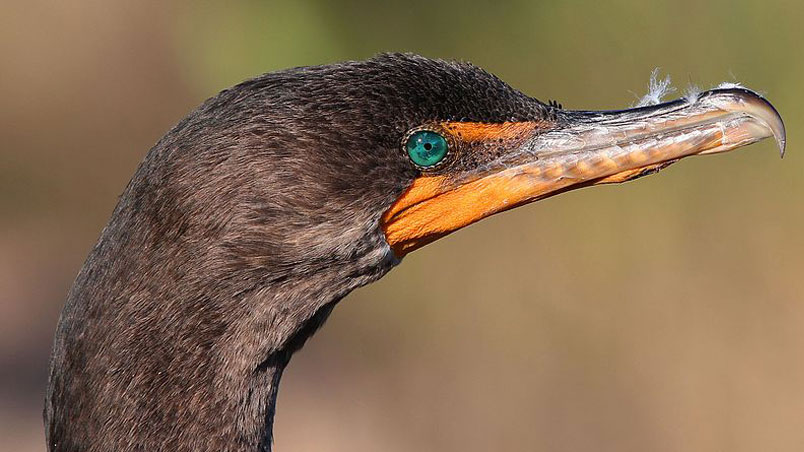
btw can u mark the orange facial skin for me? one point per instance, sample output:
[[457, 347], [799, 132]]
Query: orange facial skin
[[433, 206]]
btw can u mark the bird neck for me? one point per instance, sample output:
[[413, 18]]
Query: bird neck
[[179, 353]]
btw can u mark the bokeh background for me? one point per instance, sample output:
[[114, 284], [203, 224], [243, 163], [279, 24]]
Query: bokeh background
[[663, 315]]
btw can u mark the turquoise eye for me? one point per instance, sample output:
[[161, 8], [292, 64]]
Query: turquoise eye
[[426, 148]]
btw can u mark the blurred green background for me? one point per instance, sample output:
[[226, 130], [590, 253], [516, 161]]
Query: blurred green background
[[663, 315]]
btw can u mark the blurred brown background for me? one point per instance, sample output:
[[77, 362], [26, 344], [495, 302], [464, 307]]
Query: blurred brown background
[[661, 315]]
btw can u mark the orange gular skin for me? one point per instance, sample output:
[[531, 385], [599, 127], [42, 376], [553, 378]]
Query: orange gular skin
[[432, 206], [426, 212], [431, 209]]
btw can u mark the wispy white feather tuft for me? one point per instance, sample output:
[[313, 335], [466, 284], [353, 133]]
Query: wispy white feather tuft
[[692, 93], [657, 89]]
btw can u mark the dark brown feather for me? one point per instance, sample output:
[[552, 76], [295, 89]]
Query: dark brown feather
[[238, 233]]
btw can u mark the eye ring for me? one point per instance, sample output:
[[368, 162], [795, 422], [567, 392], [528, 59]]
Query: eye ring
[[426, 148]]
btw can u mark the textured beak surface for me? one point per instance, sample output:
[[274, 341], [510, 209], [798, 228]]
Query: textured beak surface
[[579, 149]]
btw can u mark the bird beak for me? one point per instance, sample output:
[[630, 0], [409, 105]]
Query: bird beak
[[573, 149]]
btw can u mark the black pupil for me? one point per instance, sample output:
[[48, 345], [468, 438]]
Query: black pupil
[[428, 146]]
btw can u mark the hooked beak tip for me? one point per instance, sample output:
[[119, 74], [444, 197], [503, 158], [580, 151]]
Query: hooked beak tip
[[757, 107]]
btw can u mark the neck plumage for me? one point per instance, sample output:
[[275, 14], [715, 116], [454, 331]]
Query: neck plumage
[[190, 380], [170, 345]]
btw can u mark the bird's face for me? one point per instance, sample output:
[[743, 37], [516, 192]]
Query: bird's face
[[483, 147], [358, 162]]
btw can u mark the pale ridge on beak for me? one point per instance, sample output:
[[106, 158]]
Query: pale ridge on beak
[[597, 145]]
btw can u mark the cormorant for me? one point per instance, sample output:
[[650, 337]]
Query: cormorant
[[246, 224]]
